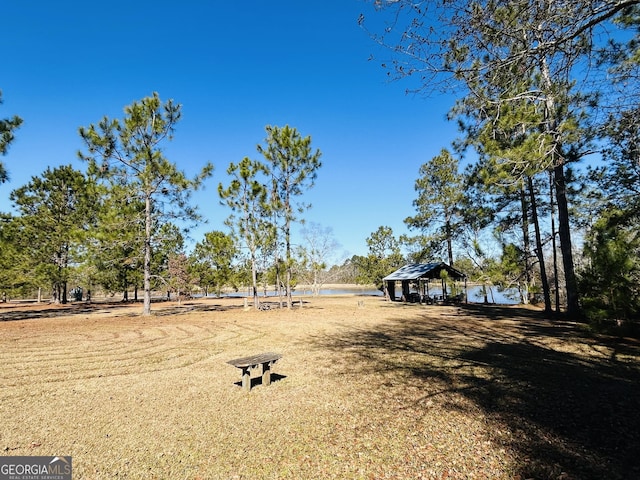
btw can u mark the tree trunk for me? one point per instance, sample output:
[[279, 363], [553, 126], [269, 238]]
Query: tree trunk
[[287, 243], [536, 224], [316, 287], [276, 240], [278, 285], [254, 279], [288, 272], [147, 257], [63, 269], [564, 234], [526, 244], [449, 241], [556, 283]]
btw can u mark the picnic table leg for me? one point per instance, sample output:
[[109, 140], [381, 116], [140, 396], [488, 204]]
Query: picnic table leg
[[266, 373], [246, 378]]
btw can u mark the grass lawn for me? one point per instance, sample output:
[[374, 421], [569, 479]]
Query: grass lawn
[[366, 389]]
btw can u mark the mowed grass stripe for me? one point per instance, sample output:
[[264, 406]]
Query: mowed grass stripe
[[59, 358]]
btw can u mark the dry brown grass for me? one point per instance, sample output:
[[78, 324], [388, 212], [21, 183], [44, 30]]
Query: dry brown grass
[[379, 390]]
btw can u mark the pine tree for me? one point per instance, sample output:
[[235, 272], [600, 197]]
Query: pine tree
[[440, 189], [292, 166], [129, 152], [249, 220], [55, 214], [212, 260], [7, 128]]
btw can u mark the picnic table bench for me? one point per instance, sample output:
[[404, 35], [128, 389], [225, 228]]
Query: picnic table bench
[[246, 364]]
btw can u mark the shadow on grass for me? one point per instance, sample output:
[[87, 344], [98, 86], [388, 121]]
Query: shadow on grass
[[36, 311], [570, 400], [132, 308], [160, 308], [256, 381]]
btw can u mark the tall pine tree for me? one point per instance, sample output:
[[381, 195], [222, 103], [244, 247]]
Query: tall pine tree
[[130, 153]]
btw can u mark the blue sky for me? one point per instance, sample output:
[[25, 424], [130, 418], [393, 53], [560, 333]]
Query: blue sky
[[235, 67]]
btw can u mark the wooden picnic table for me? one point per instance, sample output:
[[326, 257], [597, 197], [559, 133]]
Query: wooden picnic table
[[246, 364]]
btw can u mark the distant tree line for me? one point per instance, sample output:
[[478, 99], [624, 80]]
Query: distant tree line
[[120, 225]]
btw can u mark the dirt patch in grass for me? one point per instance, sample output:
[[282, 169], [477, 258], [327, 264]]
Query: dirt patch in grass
[[365, 389]]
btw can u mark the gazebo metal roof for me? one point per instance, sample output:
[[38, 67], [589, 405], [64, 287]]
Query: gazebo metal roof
[[415, 271]]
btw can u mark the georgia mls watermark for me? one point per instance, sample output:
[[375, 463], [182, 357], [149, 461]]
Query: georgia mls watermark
[[35, 468]]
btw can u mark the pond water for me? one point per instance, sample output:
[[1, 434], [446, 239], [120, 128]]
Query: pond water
[[474, 294], [508, 296]]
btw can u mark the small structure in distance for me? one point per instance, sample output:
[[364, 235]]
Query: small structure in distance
[[415, 279]]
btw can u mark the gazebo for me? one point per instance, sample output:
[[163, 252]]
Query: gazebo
[[415, 279]]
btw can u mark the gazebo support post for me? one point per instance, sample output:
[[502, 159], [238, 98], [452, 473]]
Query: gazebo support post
[[466, 295]]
